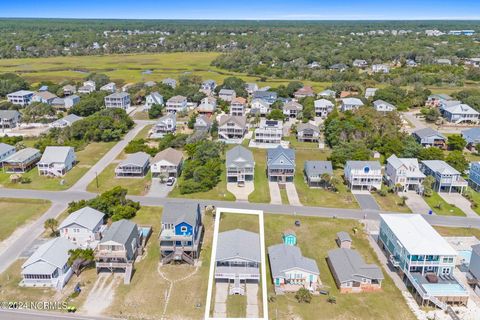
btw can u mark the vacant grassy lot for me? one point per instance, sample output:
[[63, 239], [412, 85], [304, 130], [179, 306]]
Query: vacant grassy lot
[[391, 202], [315, 237], [440, 207], [16, 212], [144, 298], [236, 306], [230, 221], [128, 68], [86, 159], [262, 191], [458, 232]]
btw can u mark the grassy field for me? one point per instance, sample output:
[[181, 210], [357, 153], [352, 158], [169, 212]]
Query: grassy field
[[458, 232], [391, 202], [284, 196], [315, 237], [16, 212], [440, 207], [128, 68], [474, 198], [230, 221], [86, 159], [262, 192], [236, 306]]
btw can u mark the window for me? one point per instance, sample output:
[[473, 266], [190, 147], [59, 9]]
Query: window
[[183, 229]]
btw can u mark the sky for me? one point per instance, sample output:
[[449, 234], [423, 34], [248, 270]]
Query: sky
[[246, 9]]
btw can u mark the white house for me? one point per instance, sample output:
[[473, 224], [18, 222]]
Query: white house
[[269, 132], [22, 97], [227, 94], [170, 82], [118, 100], [383, 106], [153, 98], [380, 68], [164, 125], [47, 266], [370, 92], [292, 109], [88, 87], [208, 105], [363, 175], [238, 106], [459, 112], [176, 104], [232, 129], [260, 106], [66, 121], [56, 161], [109, 87], [167, 162], [323, 107], [404, 172], [83, 227], [350, 104]]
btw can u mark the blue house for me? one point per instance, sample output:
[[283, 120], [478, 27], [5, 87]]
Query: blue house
[[181, 233], [471, 136], [474, 175], [289, 237]]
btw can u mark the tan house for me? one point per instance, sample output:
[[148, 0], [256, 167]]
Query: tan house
[[167, 162]]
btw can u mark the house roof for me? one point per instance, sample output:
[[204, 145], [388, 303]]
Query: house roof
[[460, 109], [4, 148], [137, 159], [306, 90], [323, 103], [21, 93], [471, 135], [9, 114], [359, 165], [317, 168], [280, 157], [476, 249], [203, 118], [285, 257], [172, 116], [45, 95], [177, 99], [292, 105], [239, 100], [56, 154], [157, 97], [49, 256], [352, 101], [416, 235], [175, 213], [120, 232], [410, 163], [118, 95], [349, 265], [343, 236], [226, 92], [171, 155], [71, 118], [22, 155], [260, 94], [58, 101], [428, 132], [239, 120], [86, 217], [440, 166], [239, 157], [238, 243], [303, 126], [380, 102], [327, 92]]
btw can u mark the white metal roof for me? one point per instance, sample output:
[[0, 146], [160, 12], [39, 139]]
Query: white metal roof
[[416, 235]]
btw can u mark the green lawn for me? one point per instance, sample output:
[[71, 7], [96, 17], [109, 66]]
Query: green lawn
[[315, 237], [16, 212], [107, 180], [440, 207], [284, 196], [219, 192], [458, 232], [474, 198], [391, 202], [86, 159], [230, 221], [262, 191]]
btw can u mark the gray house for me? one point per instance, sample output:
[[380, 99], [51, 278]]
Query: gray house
[[66, 121], [118, 249], [351, 273], [350, 104], [460, 113], [56, 161], [307, 132], [428, 137], [447, 179], [135, 165], [9, 119], [47, 267], [314, 170], [474, 266], [202, 123], [383, 106], [237, 261], [471, 136], [240, 165], [280, 164], [167, 162], [6, 150], [21, 161], [227, 94]]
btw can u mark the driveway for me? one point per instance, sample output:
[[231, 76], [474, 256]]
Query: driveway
[[460, 202], [160, 190], [292, 194], [221, 293], [416, 203], [252, 300], [365, 200], [102, 293], [275, 197], [241, 193]]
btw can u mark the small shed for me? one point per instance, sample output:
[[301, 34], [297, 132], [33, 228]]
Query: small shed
[[289, 237], [344, 240]]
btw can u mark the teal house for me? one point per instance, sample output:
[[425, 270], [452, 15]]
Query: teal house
[[289, 237]]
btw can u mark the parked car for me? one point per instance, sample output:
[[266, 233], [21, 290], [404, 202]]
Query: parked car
[[170, 181]]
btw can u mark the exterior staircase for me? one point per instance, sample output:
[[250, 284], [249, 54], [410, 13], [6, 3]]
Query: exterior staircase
[[128, 273], [237, 287], [178, 255]]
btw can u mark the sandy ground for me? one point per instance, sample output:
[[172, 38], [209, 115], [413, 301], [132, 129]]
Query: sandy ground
[[102, 293]]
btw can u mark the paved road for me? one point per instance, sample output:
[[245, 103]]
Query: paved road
[[111, 155], [41, 315]]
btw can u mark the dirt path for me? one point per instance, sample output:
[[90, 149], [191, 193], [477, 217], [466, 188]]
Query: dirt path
[[101, 295]]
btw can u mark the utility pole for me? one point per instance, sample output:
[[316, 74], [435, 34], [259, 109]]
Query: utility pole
[[96, 178]]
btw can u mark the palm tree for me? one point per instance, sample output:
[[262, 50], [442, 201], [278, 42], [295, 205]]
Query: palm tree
[[325, 179], [51, 224]]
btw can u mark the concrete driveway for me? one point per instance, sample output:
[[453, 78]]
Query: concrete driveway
[[460, 202], [221, 293], [275, 197], [241, 193], [160, 190], [415, 202], [292, 194], [252, 300], [365, 200]]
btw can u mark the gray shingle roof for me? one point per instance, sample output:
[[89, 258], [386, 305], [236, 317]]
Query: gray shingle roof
[[137, 159], [9, 114], [175, 213], [285, 257], [86, 217], [238, 243], [380, 102], [4, 148], [343, 236], [280, 158], [239, 120], [171, 155], [348, 265], [239, 157], [118, 95], [317, 168], [303, 126], [427, 132], [471, 135], [359, 165], [123, 232]]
